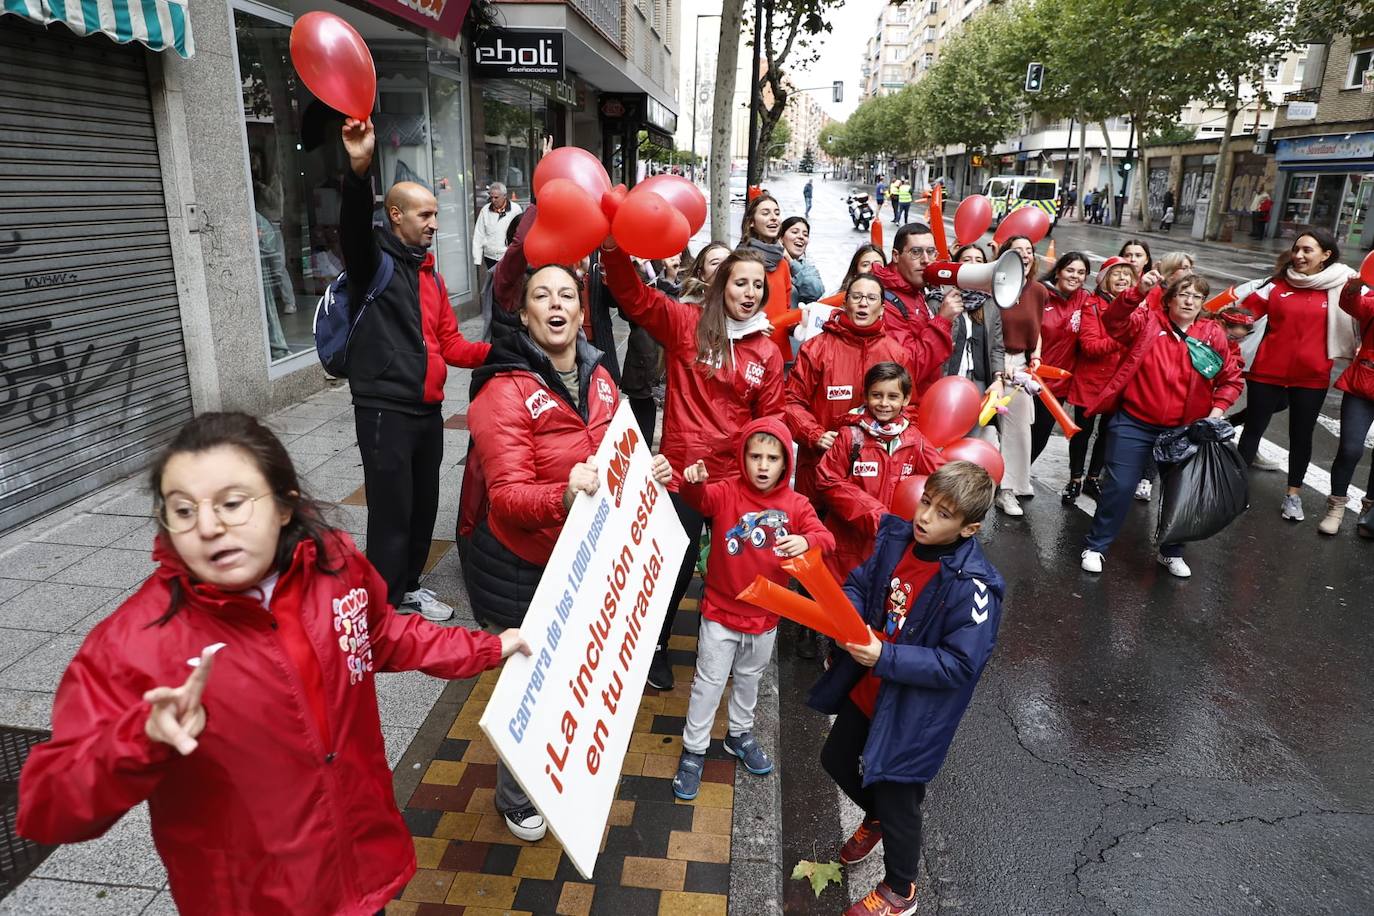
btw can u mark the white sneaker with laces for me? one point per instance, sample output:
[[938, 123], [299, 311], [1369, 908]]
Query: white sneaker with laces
[[527, 824], [1291, 508], [1092, 561], [1144, 490], [1006, 501], [1266, 464], [1175, 565], [427, 603]]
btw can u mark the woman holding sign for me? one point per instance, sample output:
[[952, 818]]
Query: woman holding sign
[[541, 404], [723, 372]]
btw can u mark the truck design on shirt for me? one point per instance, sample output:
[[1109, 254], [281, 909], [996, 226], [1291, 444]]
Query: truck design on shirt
[[753, 527]]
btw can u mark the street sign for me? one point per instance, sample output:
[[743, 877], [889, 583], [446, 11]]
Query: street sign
[[1302, 111]]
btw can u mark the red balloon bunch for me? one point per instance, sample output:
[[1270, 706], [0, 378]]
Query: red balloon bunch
[[948, 409], [907, 497], [1032, 222], [568, 225], [972, 218], [981, 453]]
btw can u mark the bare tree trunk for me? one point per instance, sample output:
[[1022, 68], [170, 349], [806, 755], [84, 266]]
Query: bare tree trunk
[[727, 57], [1082, 151], [1221, 178], [1111, 185]]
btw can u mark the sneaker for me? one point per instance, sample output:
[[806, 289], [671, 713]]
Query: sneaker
[[884, 901], [1292, 507], [750, 754], [1092, 561], [1144, 490], [660, 672], [865, 839], [1070, 492], [1092, 488], [687, 782], [426, 603], [1175, 565], [1006, 502], [526, 823], [1266, 464]]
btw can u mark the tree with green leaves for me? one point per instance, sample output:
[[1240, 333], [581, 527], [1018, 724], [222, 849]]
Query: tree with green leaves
[[808, 161]]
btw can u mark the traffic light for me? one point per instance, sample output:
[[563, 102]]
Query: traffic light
[[1124, 169], [1035, 76], [837, 91]]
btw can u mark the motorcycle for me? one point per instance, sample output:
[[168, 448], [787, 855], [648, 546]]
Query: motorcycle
[[859, 211]]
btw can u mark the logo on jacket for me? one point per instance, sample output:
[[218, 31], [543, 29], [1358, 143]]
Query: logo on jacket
[[865, 469], [603, 391], [753, 374], [350, 622], [539, 402], [753, 527], [1076, 320], [620, 463], [980, 602], [839, 392], [906, 470]]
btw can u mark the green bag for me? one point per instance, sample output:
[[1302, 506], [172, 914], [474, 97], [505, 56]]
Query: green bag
[[1205, 360]]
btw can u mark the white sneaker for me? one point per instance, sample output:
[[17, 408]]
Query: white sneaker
[[1144, 490], [527, 824], [1092, 561], [1175, 565], [427, 604], [1292, 507], [1006, 501], [1267, 464]]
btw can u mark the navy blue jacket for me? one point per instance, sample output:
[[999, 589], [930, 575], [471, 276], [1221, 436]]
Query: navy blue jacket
[[929, 672]]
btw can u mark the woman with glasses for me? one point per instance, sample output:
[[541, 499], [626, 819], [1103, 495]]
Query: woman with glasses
[[1021, 338], [1167, 381]]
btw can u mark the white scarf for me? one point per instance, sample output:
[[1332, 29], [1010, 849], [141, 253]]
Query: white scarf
[[737, 330], [1342, 331]]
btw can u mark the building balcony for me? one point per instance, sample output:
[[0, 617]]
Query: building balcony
[[1310, 94]]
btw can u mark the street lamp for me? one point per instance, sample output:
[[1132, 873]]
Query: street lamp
[[696, 78]]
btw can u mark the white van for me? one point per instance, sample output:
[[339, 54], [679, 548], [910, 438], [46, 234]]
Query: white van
[[1012, 192]]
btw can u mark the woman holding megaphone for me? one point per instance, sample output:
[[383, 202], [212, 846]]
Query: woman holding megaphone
[[1021, 337], [979, 353]]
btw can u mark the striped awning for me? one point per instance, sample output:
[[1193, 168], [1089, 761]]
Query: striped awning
[[159, 24]]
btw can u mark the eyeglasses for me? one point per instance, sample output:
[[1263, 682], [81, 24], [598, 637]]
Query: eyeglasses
[[869, 298], [181, 515], [1190, 297], [921, 252]]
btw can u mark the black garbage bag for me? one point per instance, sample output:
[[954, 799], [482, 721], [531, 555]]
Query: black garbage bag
[[1203, 494], [1178, 445]]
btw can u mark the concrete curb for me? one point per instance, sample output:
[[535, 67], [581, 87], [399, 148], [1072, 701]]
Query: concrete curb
[[756, 870]]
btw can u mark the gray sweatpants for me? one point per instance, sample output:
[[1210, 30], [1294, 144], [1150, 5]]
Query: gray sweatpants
[[722, 652]]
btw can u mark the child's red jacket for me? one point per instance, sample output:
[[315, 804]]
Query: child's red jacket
[[745, 527]]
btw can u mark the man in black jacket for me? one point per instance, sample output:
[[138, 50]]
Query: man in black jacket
[[397, 363]]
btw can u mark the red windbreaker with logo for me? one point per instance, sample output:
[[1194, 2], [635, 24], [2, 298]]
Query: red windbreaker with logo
[[1059, 323], [856, 480], [745, 527], [1293, 351], [704, 410], [907, 320], [1358, 378], [286, 806], [827, 382], [1098, 354]]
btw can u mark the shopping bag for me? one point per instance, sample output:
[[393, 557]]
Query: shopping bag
[[1203, 494]]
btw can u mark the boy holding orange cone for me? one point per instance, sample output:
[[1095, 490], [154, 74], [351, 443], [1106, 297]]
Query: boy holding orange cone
[[934, 603]]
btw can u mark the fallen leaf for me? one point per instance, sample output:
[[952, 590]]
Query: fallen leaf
[[820, 875]]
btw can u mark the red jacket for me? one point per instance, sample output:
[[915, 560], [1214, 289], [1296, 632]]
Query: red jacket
[[703, 413], [1162, 388], [779, 302], [1358, 378], [1098, 354], [1059, 324], [1293, 351], [827, 381], [286, 806], [745, 526], [907, 320], [526, 437], [856, 480]]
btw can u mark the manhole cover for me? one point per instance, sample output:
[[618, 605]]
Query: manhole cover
[[18, 856]]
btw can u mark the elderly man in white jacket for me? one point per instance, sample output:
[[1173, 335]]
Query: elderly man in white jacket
[[489, 235]]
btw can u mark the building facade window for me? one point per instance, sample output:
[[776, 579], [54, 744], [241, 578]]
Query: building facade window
[[1359, 62]]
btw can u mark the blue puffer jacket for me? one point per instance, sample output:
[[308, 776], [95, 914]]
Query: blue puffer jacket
[[929, 673]]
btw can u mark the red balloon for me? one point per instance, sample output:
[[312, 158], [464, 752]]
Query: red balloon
[[972, 219], [682, 194], [948, 410], [1032, 222], [334, 63], [647, 226], [981, 453], [611, 201], [1367, 269], [568, 225], [907, 496], [576, 165]]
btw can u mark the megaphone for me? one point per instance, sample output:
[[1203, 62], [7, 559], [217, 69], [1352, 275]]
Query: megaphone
[[1003, 279]]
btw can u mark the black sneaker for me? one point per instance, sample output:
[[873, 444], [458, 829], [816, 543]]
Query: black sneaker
[[1070, 493], [660, 671], [1092, 488]]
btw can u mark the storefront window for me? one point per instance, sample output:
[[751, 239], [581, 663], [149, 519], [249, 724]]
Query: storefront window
[[512, 123]]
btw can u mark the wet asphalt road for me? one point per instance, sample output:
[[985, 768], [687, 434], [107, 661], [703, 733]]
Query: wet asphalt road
[[1138, 744]]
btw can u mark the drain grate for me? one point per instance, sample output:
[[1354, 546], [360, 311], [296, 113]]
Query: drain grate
[[18, 856]]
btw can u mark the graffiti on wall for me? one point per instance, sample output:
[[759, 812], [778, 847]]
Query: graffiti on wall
[[39, 378]]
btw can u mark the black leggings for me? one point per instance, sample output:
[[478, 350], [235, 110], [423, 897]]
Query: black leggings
[[692, 523], [1041, 429], [1262, 401], [1357, 415], [645, 411], [1078, 445], [895, 805]]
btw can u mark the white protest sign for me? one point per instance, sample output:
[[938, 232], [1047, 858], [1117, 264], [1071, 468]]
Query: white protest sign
[[561, 718]]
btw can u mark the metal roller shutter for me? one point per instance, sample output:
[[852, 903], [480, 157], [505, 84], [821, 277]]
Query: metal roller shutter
[[92, 366]]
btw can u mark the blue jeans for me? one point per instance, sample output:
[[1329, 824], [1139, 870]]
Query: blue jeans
[[1130, 443]]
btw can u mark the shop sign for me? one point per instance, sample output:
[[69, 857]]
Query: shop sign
[[561, 91], [443, 17], [1302, 111], [505, 54], [1335, 146]]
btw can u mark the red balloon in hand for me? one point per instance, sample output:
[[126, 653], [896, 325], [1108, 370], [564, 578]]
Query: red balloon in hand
[[948, 410], [1032, 222], [568, 225], [682, 194], [648, 227], [576, 165], [972, 219], [334, 63], [980, 453], [907, 497]]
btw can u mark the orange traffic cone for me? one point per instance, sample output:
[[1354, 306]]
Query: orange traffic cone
[[1050, 256]]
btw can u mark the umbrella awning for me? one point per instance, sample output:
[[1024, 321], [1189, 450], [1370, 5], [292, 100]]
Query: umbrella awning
[[160, 24]]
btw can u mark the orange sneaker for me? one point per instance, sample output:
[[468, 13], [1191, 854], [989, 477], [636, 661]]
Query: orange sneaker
[[861, 844], [884, 901]]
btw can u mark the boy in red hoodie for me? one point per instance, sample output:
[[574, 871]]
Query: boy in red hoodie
[[736, 638]]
